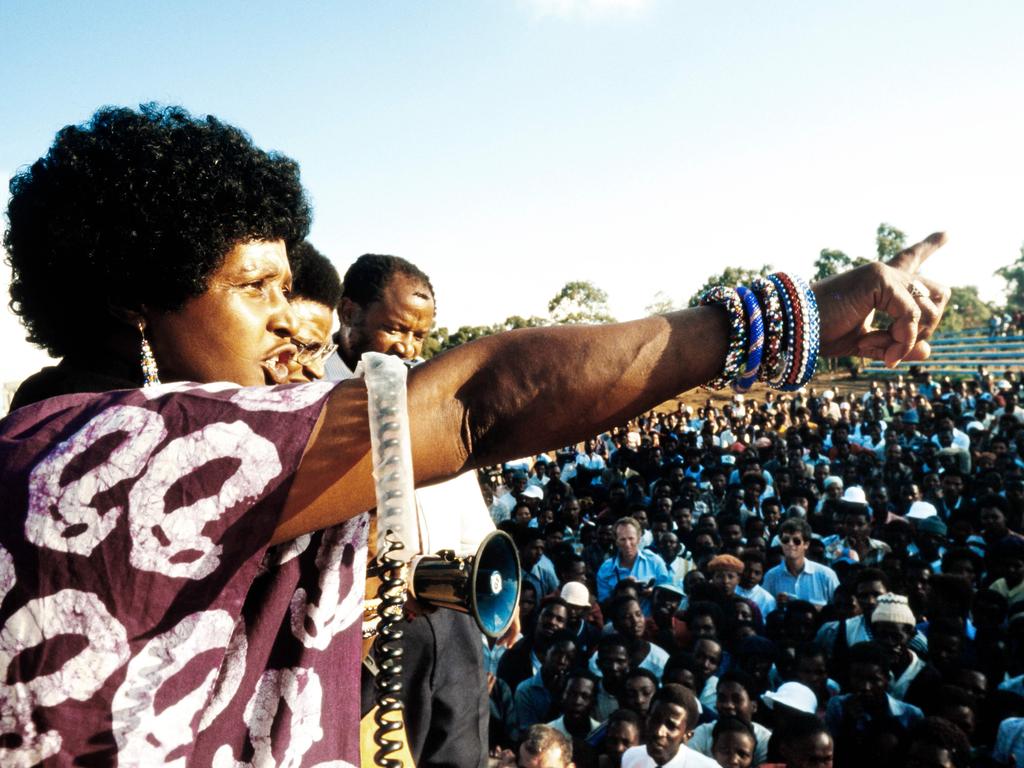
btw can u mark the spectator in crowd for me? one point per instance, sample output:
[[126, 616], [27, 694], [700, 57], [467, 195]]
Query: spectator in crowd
[[797, 577], [623, 732], [642, 566], [666, 729]]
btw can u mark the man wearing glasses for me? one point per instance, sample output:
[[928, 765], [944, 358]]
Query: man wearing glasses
[[796, 577], [316, 291]]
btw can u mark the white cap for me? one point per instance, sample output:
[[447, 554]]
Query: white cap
[[533, 492], [828, 394], [855, 494], [920, 510], [833, 480], [794, 695], [576, 594]]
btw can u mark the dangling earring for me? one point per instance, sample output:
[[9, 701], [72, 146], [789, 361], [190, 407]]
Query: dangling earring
[[150, 375]]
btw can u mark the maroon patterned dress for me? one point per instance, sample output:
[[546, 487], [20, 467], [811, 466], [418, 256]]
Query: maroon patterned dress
[[144, 619]]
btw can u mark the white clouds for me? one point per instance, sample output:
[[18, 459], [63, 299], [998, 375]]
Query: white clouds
[[586, 9]]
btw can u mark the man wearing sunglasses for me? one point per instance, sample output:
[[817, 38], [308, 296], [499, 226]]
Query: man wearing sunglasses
[[796, 577]]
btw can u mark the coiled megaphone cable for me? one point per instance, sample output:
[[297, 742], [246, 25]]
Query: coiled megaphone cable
[[396, 527]]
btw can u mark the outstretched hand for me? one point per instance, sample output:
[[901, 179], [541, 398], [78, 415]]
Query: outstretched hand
[[848, 301]]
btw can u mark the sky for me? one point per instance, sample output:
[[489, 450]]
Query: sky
[[510, 146]]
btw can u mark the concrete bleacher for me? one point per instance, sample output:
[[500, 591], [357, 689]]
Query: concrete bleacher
[[958, 355]]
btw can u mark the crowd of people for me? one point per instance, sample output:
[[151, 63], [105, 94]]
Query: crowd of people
[[812, 579], [189, 509]]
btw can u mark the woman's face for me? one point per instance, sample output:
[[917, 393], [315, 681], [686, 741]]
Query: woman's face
[[734, 750], [239, 330]]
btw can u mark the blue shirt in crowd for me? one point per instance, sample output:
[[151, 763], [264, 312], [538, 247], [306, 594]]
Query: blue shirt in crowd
[[815, 583], [648, 565]]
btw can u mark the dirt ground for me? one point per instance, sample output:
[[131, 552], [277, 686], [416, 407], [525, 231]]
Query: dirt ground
[[840, 382]]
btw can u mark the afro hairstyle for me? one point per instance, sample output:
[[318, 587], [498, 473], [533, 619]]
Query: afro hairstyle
[[137, 209]]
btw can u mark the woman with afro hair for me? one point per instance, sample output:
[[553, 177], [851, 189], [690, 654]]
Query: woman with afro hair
[[184, 547]]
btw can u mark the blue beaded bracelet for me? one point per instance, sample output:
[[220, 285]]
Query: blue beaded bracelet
[[755, 340]]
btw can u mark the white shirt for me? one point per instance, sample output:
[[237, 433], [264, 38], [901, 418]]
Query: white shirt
[[637, 757], [452, 515]]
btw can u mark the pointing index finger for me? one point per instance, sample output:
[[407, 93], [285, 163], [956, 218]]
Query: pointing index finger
[[911, 259]]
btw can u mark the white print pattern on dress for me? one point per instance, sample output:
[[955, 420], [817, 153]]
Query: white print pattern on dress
[[8, 576], [284, 399], [300, 690], [67, 612], [229, 678], [315, 624], [144, 736], [181, 530], [158, 391], [62, 517]]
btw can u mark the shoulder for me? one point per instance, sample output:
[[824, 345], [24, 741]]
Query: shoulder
[[636, 757], [691, 758]]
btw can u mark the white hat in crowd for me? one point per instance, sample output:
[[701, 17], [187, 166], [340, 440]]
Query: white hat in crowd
[[855, 494], [919, 510], [793, 695], [576, 594]]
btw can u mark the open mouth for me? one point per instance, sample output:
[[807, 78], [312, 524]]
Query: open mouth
[[275, 368]]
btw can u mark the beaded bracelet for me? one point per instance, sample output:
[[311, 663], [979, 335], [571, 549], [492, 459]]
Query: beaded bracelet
[[790, 353], [813, 327], [755, 340], [806, 339], [733, 305], [774, 328]]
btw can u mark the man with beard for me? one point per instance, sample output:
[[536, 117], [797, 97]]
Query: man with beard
[[673, 714]]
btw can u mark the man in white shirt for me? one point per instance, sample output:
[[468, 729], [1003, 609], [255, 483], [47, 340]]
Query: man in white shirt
[[673, 714]]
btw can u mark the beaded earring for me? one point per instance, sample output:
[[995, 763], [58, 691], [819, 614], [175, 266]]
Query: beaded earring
[[150, 375]]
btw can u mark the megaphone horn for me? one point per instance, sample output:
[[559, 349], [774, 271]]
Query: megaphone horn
[[484, 585]]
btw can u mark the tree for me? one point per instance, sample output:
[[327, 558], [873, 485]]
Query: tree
[[661, 304], [1013, 274], [965, 309], [830, 262], [731, 276], [889, 241], [518, 321], [580, 301]]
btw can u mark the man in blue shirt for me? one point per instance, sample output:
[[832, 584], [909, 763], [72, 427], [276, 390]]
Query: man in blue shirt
[[796, 577], [644, 567]]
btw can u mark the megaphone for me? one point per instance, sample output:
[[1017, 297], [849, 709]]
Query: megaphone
[[484, 585]]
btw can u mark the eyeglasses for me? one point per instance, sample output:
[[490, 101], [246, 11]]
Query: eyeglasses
[[791, 540], [308, 354]]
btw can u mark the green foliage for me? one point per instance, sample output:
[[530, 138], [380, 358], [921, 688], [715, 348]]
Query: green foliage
[[889, 241], [518, 321], [965, 309], [830, 262], [580, 301], [1013, 274], [661, 304], [731, 276]]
